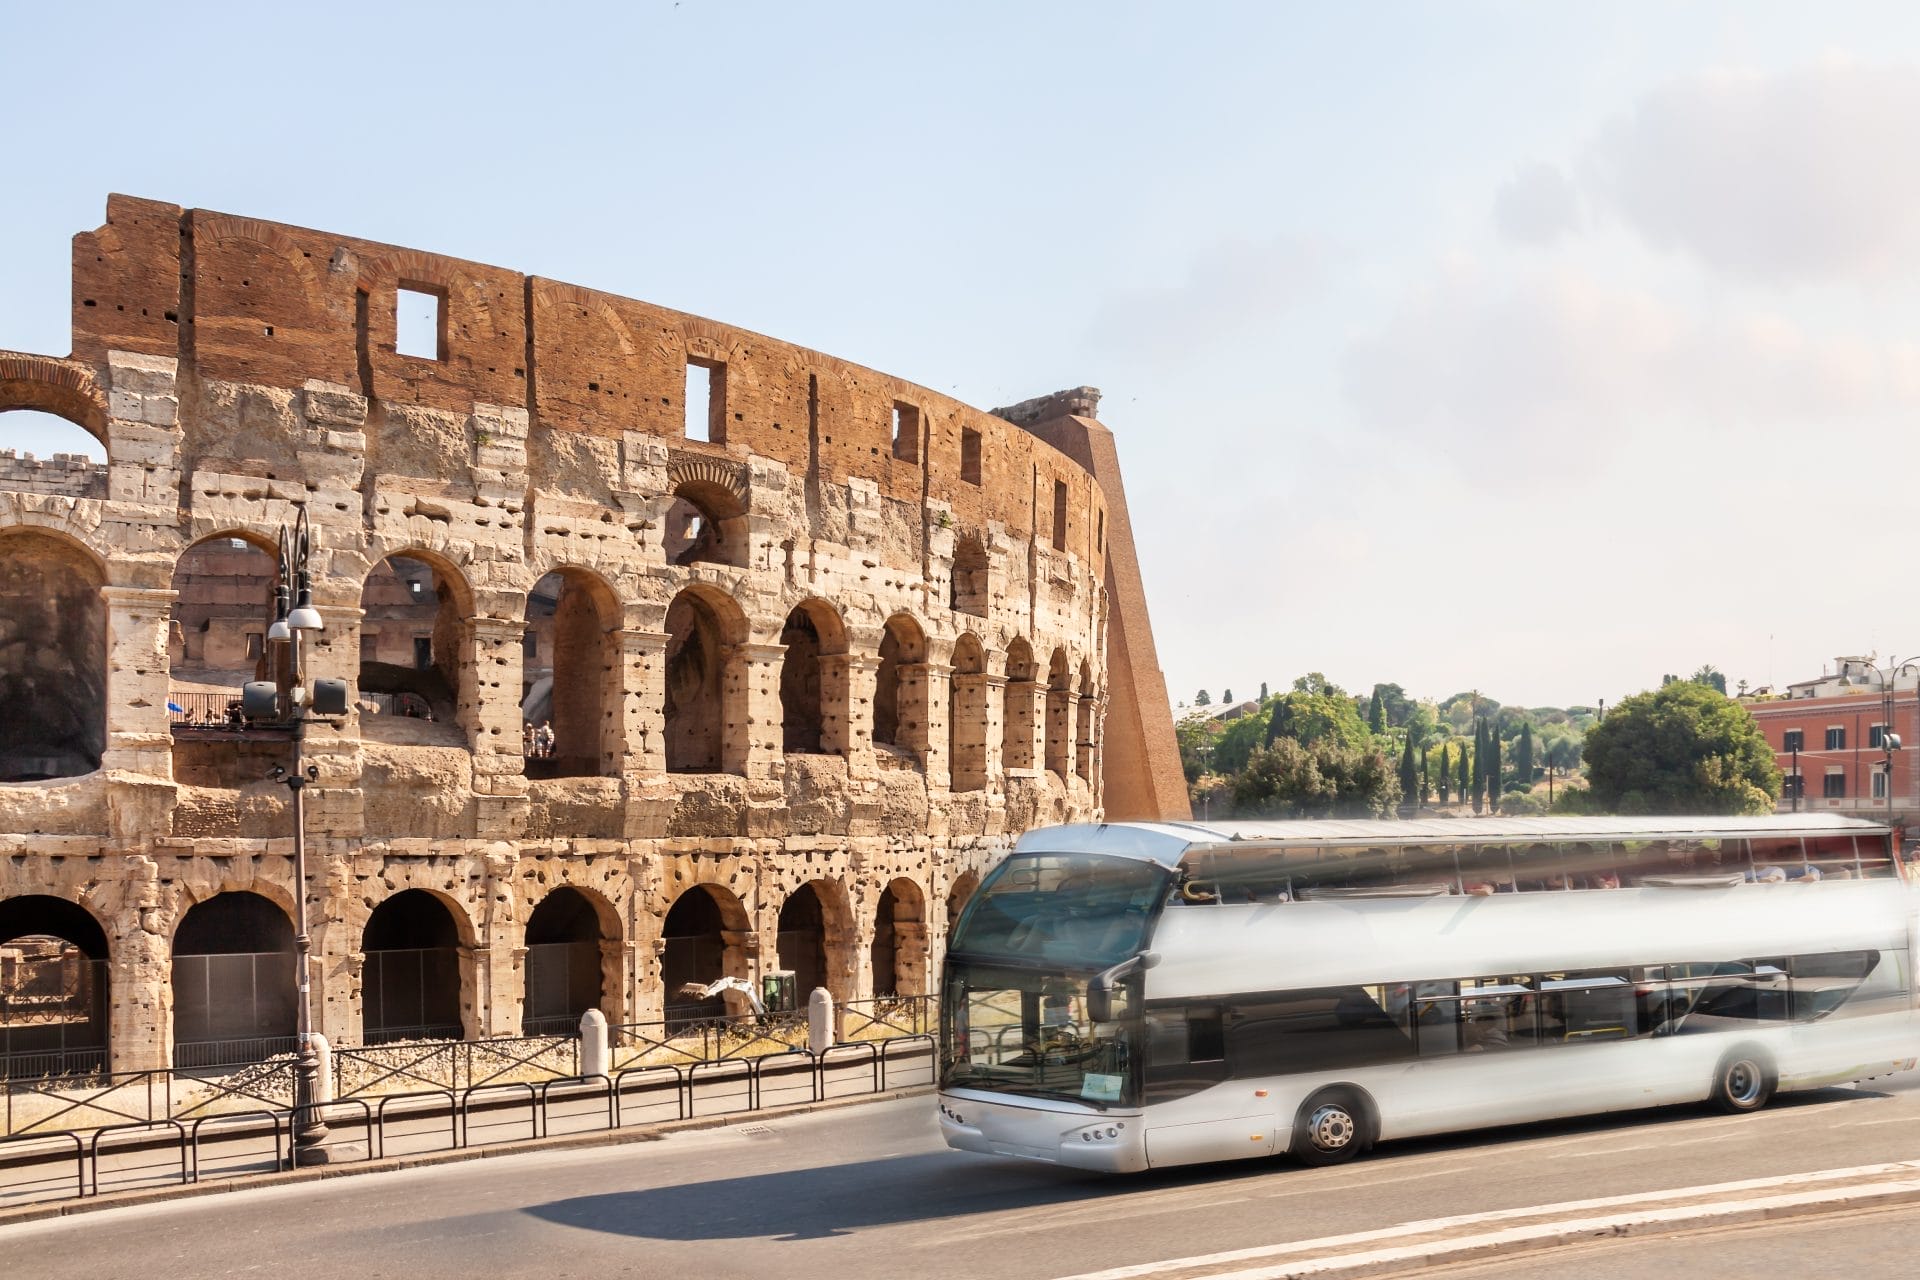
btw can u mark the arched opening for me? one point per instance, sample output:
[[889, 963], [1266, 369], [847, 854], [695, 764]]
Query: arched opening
[[216, 642], [802, 940], [900, 942], [1016, 729], [1083, 726], [568, 726], [702, 626], [900, 688], [706, 523], [411, 641], [564, 975], [813, 690], [968, 587], [967, 716], [410, 984], [53, 658], [696, 951], [42, 452], [235, 989], [963, 886], [1059, 736], [53, 989]]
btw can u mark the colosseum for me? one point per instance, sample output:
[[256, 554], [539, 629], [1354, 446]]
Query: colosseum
[[673, 652]]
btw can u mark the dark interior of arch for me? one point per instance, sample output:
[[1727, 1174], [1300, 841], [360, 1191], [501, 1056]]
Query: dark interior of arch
[[563, 963], [565, 915], [410, 637], [410, 987], [800, 722], [233, 922], [694, 952], [41, 914], [60, 972], [704, 523], [885, 954], [410, 919], [692, 709], [53, 660], [803, 940], [567, 691]]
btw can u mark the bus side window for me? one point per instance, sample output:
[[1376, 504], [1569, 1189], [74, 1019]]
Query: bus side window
[[1206, 1037], [1177, 1037], [1436, 1017]]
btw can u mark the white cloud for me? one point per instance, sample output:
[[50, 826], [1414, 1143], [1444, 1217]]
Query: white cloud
[[1797, 175], [1537, 205], [1231, 288]]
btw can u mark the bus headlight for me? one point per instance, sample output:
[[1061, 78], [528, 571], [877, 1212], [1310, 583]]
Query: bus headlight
[[1103, 1132]]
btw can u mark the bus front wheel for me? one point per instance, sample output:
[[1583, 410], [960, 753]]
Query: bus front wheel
[[1332, 1126], [1743, 1082]]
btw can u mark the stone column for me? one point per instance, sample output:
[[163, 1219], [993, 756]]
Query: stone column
[[750, 709], [490, 713], [640, 728], [910, 955], [970, 736], [847, 683], [1023, 726], [920, 701], [993, 726], [1060, 732], [140, 985], [335, 804], [139, 734]]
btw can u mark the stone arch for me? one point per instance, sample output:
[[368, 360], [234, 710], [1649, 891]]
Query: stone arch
[[900, 687], [958, 895], [415, 658], [967, 715], [968, 589], [704, 712], [566, 937], [1058, 726], [707, 521], [415, 982], [54, 965], [703, 938], [1023, 704], [224, 585], [813, 938], [53, 656], [813, 680], [58, 387], [570, 703], [235, 993], [899, 953]]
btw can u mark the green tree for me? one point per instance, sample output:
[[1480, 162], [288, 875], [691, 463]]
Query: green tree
[[1712, 677], [1201, 699], [1408, 777], [1523, 756], [1493, 765], [1194, 736], [1307, 716], [1263, 691], [1480, 735], [1316, 683], [1460, 777], [1324, 779], [1445, 779], [1684, 748], [1426, 779], [1377, 713]]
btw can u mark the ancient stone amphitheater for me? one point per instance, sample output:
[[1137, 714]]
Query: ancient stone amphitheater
[[676, 652]]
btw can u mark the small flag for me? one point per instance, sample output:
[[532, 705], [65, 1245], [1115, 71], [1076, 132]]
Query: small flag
[[176, 708]]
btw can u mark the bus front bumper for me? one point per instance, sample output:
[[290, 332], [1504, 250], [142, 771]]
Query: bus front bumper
[[1079, 1139]]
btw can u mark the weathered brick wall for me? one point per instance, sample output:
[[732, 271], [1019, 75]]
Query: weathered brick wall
[[240, 372], [71, 475]]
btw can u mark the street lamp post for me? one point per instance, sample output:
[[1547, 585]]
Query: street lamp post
[[285, 700], [1889, 740]]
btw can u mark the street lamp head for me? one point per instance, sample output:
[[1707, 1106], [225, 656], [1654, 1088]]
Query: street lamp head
[[304, 616]]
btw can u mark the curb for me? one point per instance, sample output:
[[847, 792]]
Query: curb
[[426, 1159]]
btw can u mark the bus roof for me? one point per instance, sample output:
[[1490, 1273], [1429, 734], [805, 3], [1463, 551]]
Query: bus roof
[[1169, 842]]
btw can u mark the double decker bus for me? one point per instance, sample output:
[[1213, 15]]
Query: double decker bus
[[1125, 996]]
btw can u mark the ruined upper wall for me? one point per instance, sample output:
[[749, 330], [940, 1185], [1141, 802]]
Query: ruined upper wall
[[242, 301]]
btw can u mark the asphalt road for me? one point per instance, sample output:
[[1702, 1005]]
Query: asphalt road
[[870, 1191]]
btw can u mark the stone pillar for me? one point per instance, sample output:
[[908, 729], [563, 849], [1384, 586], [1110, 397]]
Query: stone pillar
[[972, 743], [994, 708], [910, 956], [847, 683], [750, 709], [1060, 732], [335, 805], [640, 728], [140, 983], [1023, 726], [139, 734], [490, 713], [920, 708]]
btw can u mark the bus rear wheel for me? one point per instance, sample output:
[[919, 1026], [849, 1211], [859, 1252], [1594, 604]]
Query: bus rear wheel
[[1332, 1126], [1743, 1082]]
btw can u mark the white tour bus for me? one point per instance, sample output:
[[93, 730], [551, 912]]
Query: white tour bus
[[1126, 996]]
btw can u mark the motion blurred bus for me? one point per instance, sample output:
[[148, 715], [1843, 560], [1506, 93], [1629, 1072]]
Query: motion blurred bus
[[1129, 996]]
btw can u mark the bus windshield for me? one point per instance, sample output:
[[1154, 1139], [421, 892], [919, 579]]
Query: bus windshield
[[1065, 911], [1022, 1031]]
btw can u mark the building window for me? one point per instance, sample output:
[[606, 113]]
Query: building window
[[1836, 785], [906, 432], [1836, 738], [1060, 515], [706, 400], [420, 323], [1793, 787], [530, 647], [1879, 784], [970, 455], [422, 652], [1794, 740], [1875, 732]]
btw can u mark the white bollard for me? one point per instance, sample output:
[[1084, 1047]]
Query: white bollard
[[323, 1078], [819, 1021], [594, 1058]]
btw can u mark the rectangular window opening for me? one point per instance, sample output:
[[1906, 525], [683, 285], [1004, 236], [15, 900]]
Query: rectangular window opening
[[1875, 732], [1793, 740], [1835, 785], [906, 432], [420, 327], [970, 455], [1879, 784], [422, 652], [1836, 738], [706, 400], [1100, 535], [1060, 515]]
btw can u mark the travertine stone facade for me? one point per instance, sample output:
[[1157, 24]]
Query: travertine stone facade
[[815, 658]]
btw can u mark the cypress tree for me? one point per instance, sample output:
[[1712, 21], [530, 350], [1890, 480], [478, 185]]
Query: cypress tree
[[1460, 775], [1226, 697], [1426, 779], [1479, 765], [1377, 713], [1493, 764], [1523, 755], [1263, 691], [1446, 773], [1409, 798]]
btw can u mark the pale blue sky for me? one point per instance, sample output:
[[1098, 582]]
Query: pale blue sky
[[1538, 348]]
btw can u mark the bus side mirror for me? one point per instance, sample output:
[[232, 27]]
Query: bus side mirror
[[1099, 1003]]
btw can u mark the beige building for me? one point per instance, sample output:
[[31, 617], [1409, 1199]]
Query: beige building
[[809, 645]]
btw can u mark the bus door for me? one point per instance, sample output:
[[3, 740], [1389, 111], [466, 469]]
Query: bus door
[[1196, 1110]]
